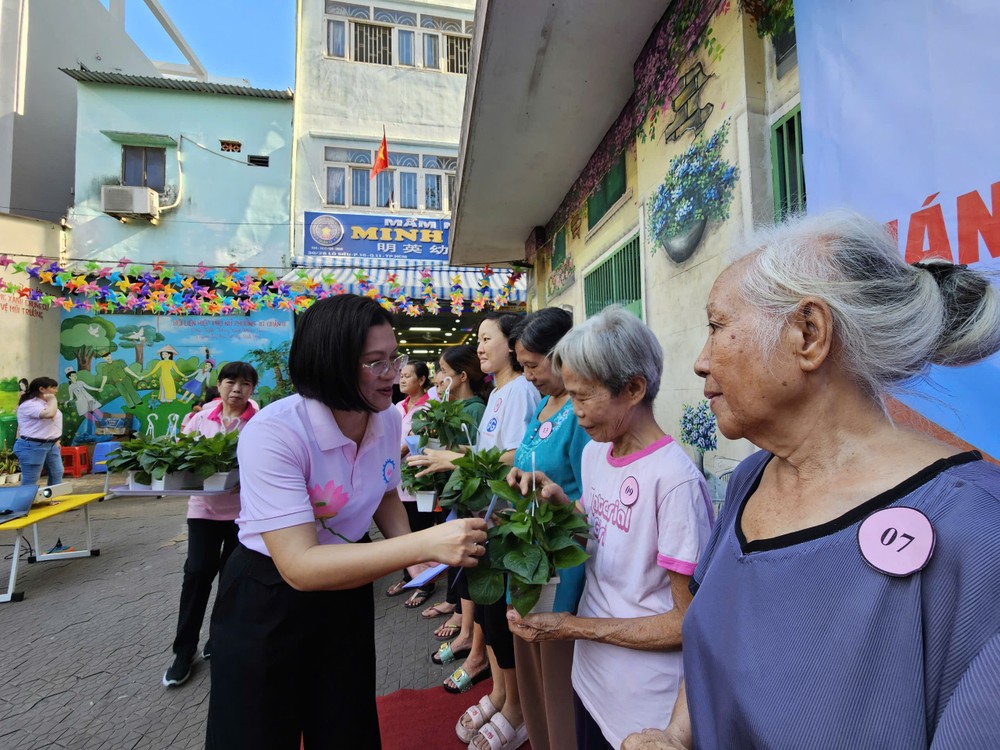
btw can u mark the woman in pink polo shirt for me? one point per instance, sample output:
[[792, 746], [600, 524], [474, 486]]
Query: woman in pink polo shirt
[[293, 625], [211, 519]]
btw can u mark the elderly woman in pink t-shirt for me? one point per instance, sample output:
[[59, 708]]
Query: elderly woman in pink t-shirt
[[211, 519], [650, 513]]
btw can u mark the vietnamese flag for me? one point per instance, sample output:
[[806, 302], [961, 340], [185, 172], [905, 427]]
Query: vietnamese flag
[[381, 158]]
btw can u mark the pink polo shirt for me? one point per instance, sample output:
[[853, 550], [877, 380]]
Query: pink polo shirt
[[406, 410], [208, 422], [297, 467]]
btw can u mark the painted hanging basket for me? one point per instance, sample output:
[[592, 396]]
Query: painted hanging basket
[[680, 247]]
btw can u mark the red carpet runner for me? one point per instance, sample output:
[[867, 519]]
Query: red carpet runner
[[425, 719]]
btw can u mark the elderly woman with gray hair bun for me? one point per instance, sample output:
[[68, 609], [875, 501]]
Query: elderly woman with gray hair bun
[[650, 514], [850, 595]]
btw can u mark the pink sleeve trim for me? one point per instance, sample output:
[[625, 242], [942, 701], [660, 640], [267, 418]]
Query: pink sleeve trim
[[678, 566]]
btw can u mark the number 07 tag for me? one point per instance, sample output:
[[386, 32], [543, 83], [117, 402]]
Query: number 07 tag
[[897, 541]]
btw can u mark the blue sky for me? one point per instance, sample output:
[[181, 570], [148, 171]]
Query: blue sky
[[253, 39]]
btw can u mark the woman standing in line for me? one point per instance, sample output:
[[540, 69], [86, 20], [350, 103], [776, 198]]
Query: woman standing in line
[[39, 427], [293, 623], [414, 379], [211, 520], [508, 411]]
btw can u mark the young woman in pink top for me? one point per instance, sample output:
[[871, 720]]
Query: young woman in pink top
[[293, 632], [211, 520]]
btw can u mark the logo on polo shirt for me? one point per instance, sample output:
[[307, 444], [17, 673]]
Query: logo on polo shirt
[[388, 469]]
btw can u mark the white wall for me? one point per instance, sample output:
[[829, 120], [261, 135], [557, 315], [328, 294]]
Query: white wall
[[38, 142]]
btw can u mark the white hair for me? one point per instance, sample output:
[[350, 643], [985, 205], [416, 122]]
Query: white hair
[[611, 348], [891, 320]]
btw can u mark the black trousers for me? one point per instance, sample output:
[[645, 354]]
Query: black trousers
[[418, 522], [496, 631], [288, 664], [588, 732], [210, 543]]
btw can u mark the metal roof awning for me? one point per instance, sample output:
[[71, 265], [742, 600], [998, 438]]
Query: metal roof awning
[[344, 271]]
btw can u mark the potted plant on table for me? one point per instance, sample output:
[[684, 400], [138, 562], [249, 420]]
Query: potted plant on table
[[10, 467], [530, 543], [213, 460], [698, 188]]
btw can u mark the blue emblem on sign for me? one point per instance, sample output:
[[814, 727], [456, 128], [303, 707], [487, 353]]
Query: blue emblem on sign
[[326, 230], [491, 425]]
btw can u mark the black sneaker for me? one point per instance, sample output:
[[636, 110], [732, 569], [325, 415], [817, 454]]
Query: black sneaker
[[206, 653], [178, 672]]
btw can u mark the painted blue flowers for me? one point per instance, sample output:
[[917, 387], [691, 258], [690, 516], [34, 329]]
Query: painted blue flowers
[[698, 187], [698, 427]]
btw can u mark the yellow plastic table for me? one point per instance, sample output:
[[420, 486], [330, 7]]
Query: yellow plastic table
[[39, 513]]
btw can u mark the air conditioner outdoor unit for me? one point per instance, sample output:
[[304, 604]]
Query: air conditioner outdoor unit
[[130, 200]]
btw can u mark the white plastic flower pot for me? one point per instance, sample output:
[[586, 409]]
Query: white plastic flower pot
[[175, 480], [135, 484], [222, 480], [547, 599], [425, 501], [433, 443], [14, 478]]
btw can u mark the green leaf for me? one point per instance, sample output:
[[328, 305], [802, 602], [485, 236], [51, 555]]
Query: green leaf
[[504, 491], [524, 562], [569, 557], [524, 596], [485, 585]]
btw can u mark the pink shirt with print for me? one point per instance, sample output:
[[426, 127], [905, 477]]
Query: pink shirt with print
[[208, 422], [650, 513], [296, 467]]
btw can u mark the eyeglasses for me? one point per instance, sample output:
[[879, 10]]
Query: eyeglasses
[[383, 366]]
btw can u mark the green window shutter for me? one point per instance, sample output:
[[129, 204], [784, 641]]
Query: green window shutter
[[606, 194], [787, 174], [559, 248], [616, 281]]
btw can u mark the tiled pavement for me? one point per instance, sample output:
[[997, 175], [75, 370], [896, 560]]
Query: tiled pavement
[[83, 654]]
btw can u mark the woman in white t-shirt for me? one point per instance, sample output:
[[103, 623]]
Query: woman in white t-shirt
[[508, 411], [650, 514]]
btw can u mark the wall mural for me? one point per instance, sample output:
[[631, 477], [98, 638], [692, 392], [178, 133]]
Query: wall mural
[[698, 188], [145, 372]]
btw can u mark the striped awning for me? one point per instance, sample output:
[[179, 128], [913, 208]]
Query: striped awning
[[343, 270]]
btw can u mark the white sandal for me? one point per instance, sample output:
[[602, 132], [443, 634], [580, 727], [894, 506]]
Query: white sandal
[[480, 713], [500, 735]]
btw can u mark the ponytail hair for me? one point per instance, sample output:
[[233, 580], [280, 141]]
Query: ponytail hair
[[35, 389], [463, 358]]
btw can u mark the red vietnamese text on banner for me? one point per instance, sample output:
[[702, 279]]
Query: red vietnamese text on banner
[[381, 158]]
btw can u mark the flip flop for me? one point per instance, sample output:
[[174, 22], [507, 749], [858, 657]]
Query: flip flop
[[435, 610], [500, 735], [396, 589], [417, 599], [444, 655], [478, 715], [447, 631], [464, 681]]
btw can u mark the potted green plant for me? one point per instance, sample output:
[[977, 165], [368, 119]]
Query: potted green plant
[[126, 458], [443, 424], [697, 189], [468, 488], [530, 543], [163, 460], [9, 467], [213, 460], [424, 489]]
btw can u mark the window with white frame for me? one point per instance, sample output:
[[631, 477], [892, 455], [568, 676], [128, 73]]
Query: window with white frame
[[382, 36], [414, 181]]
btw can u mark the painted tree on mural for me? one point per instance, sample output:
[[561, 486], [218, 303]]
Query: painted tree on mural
[[136, 337], [274, 358], [83, 337]]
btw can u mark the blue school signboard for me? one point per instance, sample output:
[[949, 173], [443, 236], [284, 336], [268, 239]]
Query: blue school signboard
[[376, 236]]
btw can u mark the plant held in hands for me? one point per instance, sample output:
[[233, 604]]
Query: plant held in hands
[[531, 542], [469, 487], [414, 484], [444, 421]]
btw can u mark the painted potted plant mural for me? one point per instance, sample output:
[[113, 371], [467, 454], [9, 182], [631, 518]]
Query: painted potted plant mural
[[698, 430], [697, 189]]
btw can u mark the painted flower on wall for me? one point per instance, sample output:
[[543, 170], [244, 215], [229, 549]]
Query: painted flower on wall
[[698, 188]]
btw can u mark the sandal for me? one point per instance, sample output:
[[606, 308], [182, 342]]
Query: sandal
[[438, 610], [478, 715], [396, 589], [463, 680], [499, 735], [445, 655], [418, 598], [447, 631]]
